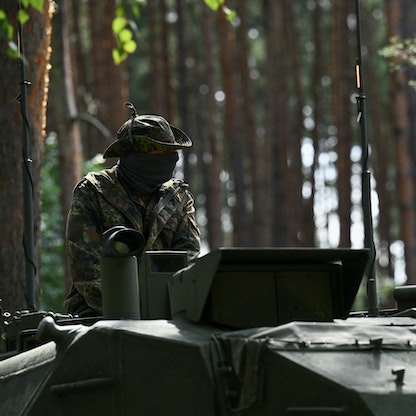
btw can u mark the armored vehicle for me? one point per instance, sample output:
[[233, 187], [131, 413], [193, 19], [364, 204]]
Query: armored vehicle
[[240, 331]]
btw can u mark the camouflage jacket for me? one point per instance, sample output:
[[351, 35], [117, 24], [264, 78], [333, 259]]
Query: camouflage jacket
[[100, 202]]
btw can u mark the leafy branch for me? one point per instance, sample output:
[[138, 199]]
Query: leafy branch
[[123, 28], [400, 53], [6, 28], [220, 4]]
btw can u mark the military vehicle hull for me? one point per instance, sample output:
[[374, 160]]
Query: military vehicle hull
[[161, 367]]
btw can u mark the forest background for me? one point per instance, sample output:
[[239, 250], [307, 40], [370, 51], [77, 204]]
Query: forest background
[[268, 95]]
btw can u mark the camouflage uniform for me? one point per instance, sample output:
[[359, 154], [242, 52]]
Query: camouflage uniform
[[165, 217], [100, 202]]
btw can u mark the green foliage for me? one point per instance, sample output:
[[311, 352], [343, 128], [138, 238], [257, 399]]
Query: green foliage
[[126, 45], [6, 29], [385, 286], [52, 244], [216, 4], [400, 53], [401, 50], [93, 165], [52, 285], [36, 4], [123, 30], [22, 15]]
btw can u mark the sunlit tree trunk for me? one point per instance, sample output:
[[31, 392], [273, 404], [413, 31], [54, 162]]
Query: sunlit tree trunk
[[36, 41], [62, 113]]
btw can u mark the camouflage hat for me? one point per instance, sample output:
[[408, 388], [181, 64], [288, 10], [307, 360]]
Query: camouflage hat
[[144, 134]]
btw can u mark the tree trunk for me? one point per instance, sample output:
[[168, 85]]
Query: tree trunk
[[316, 93], [248, 133], [154, 50], [382, 155], [109, 87], [269, 180], [341, 91], [36, 40], [62, 113], [232, 131], [213, 151], [404, 161], [295, 131]]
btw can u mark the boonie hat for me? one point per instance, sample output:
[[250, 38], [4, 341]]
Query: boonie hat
[[144, 134]]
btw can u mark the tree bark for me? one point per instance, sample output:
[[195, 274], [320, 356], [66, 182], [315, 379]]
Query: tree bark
[[109, 86], [232, 131], [270, 214], [213, 150], [341, 92], [36, 41], [402, 135], [62, 114]]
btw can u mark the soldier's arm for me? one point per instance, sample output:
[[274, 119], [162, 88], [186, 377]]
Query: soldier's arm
[[84, 239]]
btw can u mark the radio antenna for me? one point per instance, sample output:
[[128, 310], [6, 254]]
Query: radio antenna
[[365, 177], [28, 232]]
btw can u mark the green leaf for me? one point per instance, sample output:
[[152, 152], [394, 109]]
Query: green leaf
[[12, 50], [118, 56], [6, 29], [229, 14], [136, 10], [120, 10], [125, 35], [23, 16], [118, 24], [130, 46], [214, 4], [25, 3], [37, 4], [10, 31]]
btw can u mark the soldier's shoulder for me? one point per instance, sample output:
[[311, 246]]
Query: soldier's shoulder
[[99, 180]]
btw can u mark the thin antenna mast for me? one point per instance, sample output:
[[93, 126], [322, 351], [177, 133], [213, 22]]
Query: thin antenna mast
[[28, 232], [366, 178]]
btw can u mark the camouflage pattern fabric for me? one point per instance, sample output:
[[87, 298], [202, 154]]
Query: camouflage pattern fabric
[[100, 202]]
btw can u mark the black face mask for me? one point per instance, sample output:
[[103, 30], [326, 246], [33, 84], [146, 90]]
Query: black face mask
[[145, 172]]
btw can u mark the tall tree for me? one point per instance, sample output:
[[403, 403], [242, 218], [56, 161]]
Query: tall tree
[[295, 130], [36, 40], [62, 116], [248, 133], [213, 150], [316, 94], [342, 85], [403, 142], [232, 129], [272, 163], [108, 97], [381, 142]]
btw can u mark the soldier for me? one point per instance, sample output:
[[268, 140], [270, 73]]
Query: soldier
[[138, 192]]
